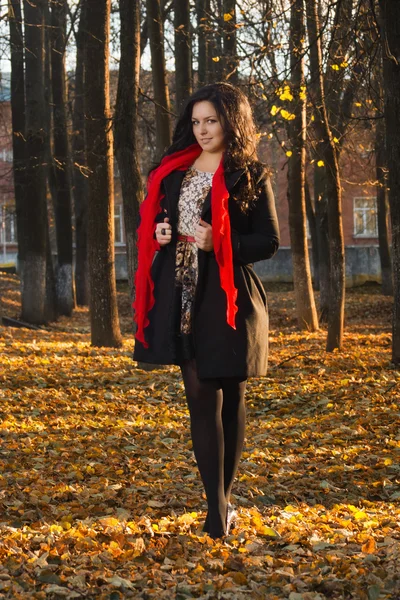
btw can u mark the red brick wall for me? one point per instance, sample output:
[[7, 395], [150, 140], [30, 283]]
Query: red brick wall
[[357, 176]]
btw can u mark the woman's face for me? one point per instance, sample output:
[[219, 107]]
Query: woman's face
[[207, 127]]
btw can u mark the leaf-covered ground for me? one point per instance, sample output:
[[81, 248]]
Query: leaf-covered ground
[[99, 492]]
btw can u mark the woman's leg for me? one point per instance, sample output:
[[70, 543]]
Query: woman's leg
[[204, 399], [234, 424]]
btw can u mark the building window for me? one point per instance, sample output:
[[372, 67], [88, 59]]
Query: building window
[[118, 224], [365, 217], [8, 225]]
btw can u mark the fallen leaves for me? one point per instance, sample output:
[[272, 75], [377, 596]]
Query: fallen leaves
[[100, 495]]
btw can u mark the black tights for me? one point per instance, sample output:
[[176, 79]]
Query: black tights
[[217, 423]]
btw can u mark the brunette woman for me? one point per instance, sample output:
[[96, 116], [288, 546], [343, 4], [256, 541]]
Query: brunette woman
[[208, 215]]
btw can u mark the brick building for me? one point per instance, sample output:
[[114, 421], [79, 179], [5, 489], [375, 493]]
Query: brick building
[[359, 204]]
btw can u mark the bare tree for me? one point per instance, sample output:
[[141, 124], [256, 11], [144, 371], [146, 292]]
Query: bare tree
[[18, 120], [34, 207], [126, 146], [229, 36], [183, 52], [203, 11], [80, 166], [383, 209], [61, 160], [339, 90], [103, 301], [161, 93], [390, 34], [332, 188], [306, 311]]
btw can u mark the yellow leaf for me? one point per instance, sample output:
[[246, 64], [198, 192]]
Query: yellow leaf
[[344, 64], [335, 140], [286, 93], [360, 514], [275, 109], [358, 104], [109, 522], [287, 115], [369, 547], [216, 58], [264, 530], [320, 163], [56, 529], [335, 67], [289, 153], [228, 17], [198, 569], [387, 462]]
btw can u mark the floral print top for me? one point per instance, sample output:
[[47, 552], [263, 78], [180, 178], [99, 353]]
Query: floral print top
[[195, 187]]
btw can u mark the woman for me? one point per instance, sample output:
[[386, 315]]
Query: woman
[[210, 214]]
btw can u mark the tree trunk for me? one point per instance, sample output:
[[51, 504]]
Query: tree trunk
[[18, 121], [333, 191], [51, 291], [203, 34], [382, 207], [306, 311], [126, 147], [216, 59], [229, 35], [390, 34], [51, 237], [61, 160], [183, 53], [339, 90], [34, 208], [80, 168], [321, 216], [312, 224], [103, 298], [161, 94]]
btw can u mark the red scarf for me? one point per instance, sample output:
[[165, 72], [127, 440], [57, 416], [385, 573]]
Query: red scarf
[[147, 245]]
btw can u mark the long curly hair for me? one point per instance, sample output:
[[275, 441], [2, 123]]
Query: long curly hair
[[235, 114]]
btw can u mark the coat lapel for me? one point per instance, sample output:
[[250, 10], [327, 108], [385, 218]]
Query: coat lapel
[[230, 181], [172, 186]]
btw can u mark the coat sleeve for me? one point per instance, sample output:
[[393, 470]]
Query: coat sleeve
[[263, 240]]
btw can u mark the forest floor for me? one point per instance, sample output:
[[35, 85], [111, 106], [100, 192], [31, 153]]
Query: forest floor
[[99, 492]]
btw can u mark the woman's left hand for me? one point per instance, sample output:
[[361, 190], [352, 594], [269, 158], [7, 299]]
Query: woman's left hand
[[203, 236]]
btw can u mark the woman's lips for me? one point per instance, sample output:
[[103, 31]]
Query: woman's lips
[[205, 140]]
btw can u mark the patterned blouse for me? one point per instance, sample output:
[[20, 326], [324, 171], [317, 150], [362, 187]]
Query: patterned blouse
[[195, 187]]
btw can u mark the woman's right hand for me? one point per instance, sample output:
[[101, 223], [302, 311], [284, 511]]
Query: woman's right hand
[[164, 232]]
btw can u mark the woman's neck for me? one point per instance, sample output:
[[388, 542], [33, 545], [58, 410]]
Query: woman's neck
[[208, 161]]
